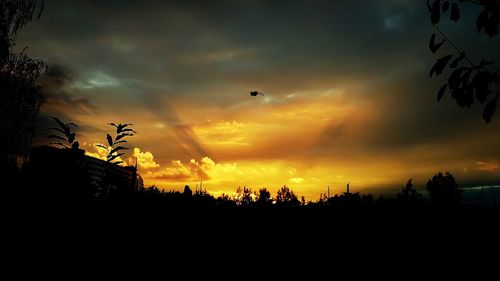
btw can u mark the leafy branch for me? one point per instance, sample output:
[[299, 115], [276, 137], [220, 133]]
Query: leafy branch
[[116, 146], [62, 134], [468, 81]]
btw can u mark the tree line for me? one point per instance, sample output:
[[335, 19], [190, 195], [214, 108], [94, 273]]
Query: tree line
[[442, 189]]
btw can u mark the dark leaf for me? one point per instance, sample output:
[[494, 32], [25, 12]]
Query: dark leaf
[[481, 82], [459, 94], [436, 12], [56, 137], [466, 76], [482, 94], [482, 79], [121, 141], [113, 157], [468, 97], [102, 146], [446, 6], [116, 149], [73, 124], [442, 91], [482, 20], [440, 65], [56, 129], [454, 79], [489, 110], [491, 27], [40, 11], [120, 128], [71, 138], [432, 44], [67, 130], [110, 139], [119, 137], [58, 143], [455, 12], [59, 122], [457, 60], [129, 130]]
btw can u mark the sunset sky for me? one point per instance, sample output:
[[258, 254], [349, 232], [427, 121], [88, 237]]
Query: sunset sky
[[348, 96]]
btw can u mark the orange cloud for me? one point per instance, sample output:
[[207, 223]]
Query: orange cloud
[[227, 133], [297, 180], [489, 166], [145, 160], [178, 171]]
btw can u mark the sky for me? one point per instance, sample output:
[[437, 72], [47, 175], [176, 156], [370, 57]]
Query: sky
[[347, 93]]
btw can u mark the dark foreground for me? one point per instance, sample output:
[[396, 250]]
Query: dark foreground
[[216, 242]]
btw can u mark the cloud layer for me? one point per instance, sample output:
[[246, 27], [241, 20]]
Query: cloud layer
[[346, 89]]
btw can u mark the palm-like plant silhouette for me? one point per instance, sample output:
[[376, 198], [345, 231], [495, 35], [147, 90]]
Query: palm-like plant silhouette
[[116, 147], [63, 135]]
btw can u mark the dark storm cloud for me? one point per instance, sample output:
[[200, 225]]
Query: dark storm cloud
[[408, 117], [206, 41], [62, 101], [56, 86]]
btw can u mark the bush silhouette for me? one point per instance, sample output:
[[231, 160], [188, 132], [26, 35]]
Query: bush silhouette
[[443, 189], [408, 195], [264, 198]]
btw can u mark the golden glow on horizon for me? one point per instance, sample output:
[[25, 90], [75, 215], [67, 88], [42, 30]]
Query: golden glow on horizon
[[305, 140]]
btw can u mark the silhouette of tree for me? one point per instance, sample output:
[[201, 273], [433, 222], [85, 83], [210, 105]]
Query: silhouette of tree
[[153, 189], [468, 81], [367, 200], [347, 199], [203, 199], [286, 198], [225, 201], [20, 95], [443, 189], [303, 200], [264, 198], [409, 195], [188, 193], [14, 15], [323, 200], [244, 197]]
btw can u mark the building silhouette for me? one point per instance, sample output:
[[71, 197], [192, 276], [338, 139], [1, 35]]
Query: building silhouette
[[66, 169]]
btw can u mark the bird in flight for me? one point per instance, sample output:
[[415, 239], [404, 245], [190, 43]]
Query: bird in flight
[[256, 93]]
